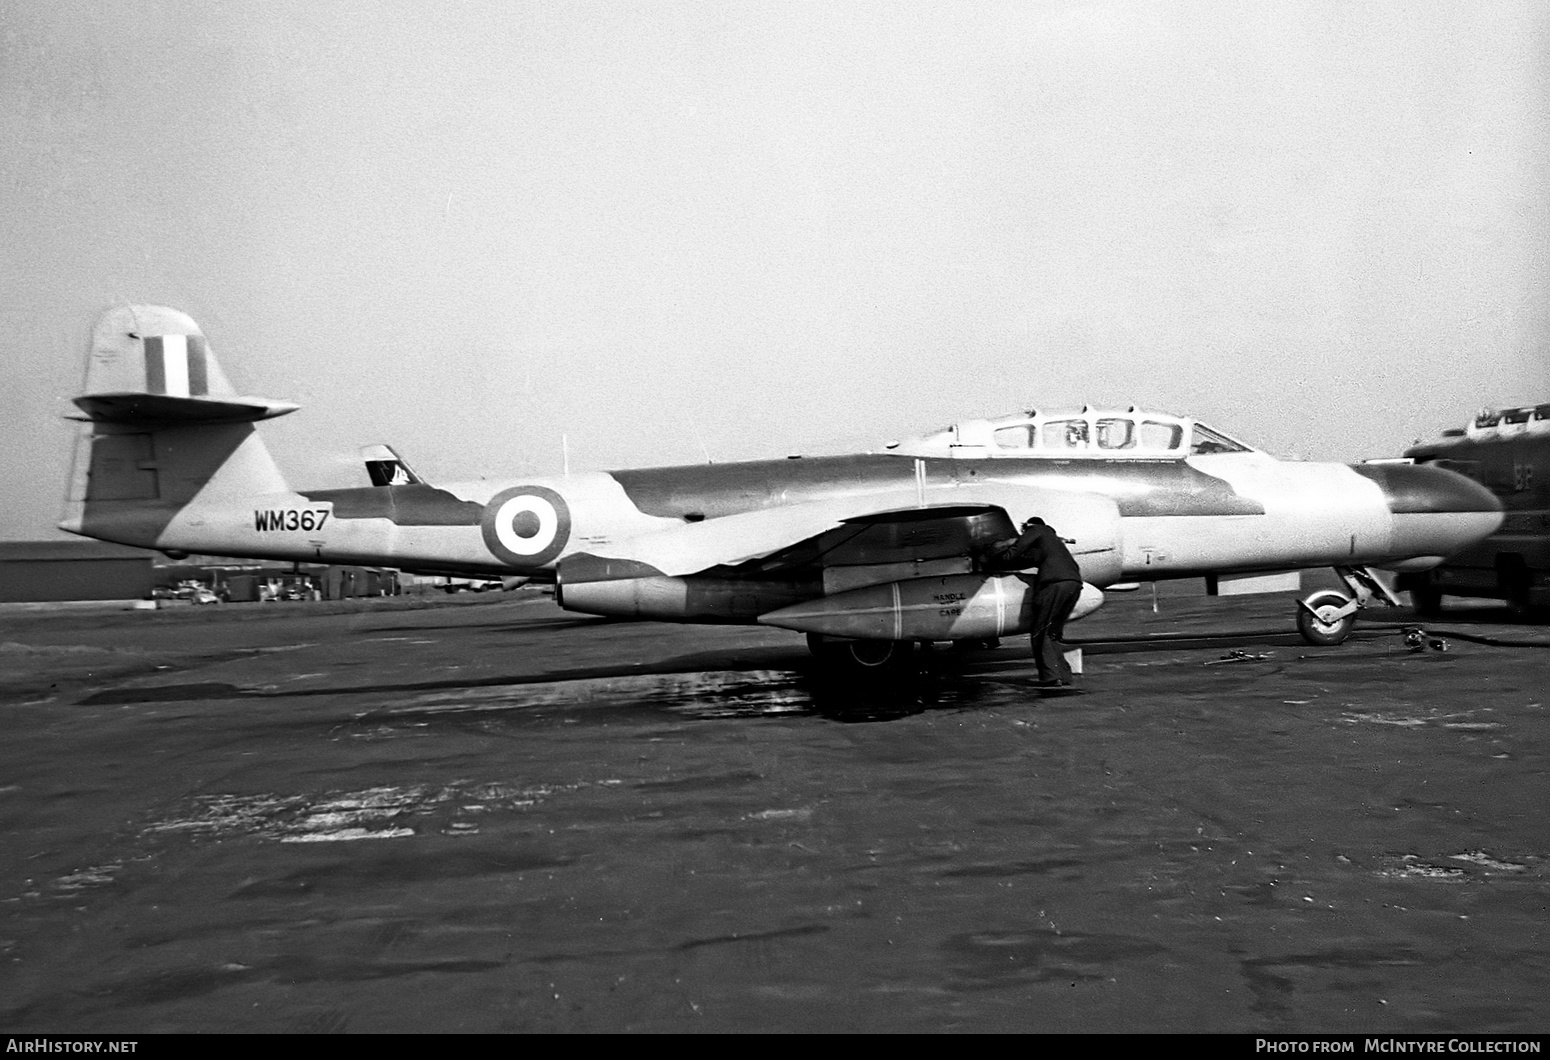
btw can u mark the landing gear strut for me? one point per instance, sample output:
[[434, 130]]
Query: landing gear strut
[[1327, 617]]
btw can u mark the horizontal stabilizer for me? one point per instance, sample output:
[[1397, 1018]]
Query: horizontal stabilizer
[[152, 364], [163, 408]]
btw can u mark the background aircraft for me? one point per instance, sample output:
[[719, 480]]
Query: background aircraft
[[1508, 452], [866, 554]]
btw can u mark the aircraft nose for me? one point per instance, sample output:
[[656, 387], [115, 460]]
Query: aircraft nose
[[1435, 512]]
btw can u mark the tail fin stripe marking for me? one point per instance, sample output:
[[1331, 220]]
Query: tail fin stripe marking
[[198, 370], [155, 366], [175, 358]]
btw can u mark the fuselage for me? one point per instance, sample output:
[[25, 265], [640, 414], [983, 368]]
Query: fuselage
[[1171, 518]]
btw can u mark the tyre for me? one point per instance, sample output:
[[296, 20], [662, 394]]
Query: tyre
[[876, 655], [863, 657], [1318, 620], [1517, 587], [1426, 600]]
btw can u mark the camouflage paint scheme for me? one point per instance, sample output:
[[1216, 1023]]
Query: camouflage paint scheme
[[170, 459]]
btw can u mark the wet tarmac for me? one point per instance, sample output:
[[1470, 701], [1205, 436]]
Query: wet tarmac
[[485, 814]]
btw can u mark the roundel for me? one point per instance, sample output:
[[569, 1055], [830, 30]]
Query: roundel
[[527, 526]]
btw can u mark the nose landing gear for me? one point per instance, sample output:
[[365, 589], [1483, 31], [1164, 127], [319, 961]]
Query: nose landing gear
[[1326, 617]]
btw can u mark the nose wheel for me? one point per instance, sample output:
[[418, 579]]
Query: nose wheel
[[1326, 617]]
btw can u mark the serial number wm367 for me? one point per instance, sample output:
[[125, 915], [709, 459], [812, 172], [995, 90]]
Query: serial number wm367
[[290, 519]]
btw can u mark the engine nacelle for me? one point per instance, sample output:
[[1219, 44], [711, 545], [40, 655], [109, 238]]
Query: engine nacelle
[[690, 599], [958, 607]]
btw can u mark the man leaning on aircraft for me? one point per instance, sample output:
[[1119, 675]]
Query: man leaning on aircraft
[[1056, 587]]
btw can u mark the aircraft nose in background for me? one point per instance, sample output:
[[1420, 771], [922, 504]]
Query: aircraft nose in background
[[1436, 512]]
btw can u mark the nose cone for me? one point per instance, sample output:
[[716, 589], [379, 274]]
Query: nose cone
[[1435, 512]]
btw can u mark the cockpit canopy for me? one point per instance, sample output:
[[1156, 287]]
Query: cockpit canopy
[[1091, 433], [1504, 423]]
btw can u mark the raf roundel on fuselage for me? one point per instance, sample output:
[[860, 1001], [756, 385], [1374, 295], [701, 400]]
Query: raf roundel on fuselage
[[526, 525]]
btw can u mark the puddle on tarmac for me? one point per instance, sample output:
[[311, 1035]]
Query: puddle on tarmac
[[72, 884], [1414, 867], [706, 696], [1409, 718], [1486, 861], [994, 960], [718, 694], [372, 813]]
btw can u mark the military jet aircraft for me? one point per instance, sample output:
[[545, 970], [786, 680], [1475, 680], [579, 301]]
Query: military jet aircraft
[[867, 555]]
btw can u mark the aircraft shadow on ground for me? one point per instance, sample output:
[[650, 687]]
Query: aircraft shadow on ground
[[831, 687], [1493, 614], [941, 679], [839, 697], [510, 625]]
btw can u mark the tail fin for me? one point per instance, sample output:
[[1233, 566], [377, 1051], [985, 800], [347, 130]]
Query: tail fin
[[387, 468], [165, 429]]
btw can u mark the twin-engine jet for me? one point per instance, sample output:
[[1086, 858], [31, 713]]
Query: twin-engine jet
[[868, 555]]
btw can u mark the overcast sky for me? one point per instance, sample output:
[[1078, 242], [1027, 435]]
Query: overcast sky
[[751, 229]]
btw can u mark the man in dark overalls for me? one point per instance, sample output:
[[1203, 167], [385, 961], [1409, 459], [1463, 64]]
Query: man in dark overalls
[[1056, 588]]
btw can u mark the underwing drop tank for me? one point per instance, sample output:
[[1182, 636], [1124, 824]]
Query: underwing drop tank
[[956, 607]]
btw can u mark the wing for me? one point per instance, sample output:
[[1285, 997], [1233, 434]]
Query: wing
[[860, 530]]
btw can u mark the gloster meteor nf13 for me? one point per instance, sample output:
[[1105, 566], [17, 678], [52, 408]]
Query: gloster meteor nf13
[[868, 554]]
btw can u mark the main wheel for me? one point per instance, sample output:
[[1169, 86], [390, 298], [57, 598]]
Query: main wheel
[[863, 656], [1319, 619], [1426, 599], [1516, 585]]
